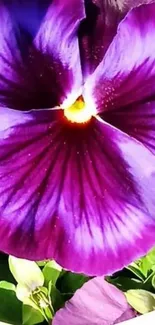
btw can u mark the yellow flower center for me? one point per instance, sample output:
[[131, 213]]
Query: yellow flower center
[[79, 112]]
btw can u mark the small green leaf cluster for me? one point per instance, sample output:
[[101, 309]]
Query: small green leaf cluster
[[31, 293], [138, 283]]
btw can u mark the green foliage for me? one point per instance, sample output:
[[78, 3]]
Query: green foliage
[[31, 316], [56, 297], [125, 283], [39, 302], [134, 268], [10, 306], [51, 272], [153, 281], [5, 273], [31, 293], [69, 282], [138, 275]]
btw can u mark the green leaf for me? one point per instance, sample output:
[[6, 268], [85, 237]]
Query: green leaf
[[141, 300], [145, 265], [136, 271], [26, 273], [151, 256], [10, 306], [7, 285], [5, 273], [51, 272], [31, 316], [70, 282], [153, 281], [147, 284], [124, 283], [56, 298]]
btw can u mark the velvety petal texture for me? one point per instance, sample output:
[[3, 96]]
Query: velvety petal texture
[[16, 35], [34, 80], [97, 32], [74, 194], [136, 120], [81, 194], [96, 303], [7, 44], [26, 17], [99, 28], [58, 39], [126, 5], [127, 73]]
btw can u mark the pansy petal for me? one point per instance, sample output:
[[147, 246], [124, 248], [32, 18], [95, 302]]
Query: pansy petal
[[16, 35], [5, 50], [75, 195], [136, 120], [97, 32], [126, 5], [127, 72], [26, 17], [96, 303], [99, 28], [50, 70], [58, 38]]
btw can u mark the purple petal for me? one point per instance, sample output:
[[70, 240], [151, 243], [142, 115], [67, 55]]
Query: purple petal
[[97, 32], [74, 194], [5, 50], [136, 120], [16, 34], [125, 5], [96, 303], [99, 28], [26, 17], [127, 73], [58, 38], [50, 70]]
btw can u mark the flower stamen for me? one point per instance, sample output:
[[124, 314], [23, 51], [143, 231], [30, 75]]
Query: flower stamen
[[79, 112]]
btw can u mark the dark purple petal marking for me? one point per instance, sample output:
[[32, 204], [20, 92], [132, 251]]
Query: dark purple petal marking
[[74, 194], [16, 34], [127, 73], [97, 32], [96, 303], [99, 28], [58, 38], [136, 120], [50, 71]]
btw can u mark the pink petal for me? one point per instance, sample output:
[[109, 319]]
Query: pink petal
[[96, 303]]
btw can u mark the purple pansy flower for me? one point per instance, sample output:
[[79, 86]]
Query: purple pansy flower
[[77, 136], [96, 303]]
